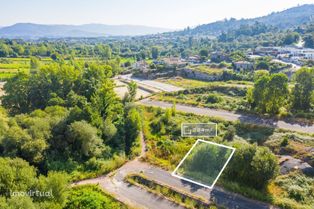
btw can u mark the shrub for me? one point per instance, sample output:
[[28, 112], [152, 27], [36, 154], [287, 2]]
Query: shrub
[[284, 142], [230, 133], [299, 187], [213, 98], [91, 197]]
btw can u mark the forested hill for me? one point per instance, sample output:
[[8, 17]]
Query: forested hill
[[30, 30], [289, 18]]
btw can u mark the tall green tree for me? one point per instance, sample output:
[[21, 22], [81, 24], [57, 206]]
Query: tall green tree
[[133, 125], [132, 87], [309, 40], [34, 63], [291, 38], [4, 126], [15, 175], [17, 90], [270, 93], [204, 53], [259, 92], [85, 139], [277, 93], [24, 143], [155, 52], [251, 165], [303, 90], [131, 94]]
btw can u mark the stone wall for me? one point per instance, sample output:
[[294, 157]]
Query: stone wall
[[189, 73]]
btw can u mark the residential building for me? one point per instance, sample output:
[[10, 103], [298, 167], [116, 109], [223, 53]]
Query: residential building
[[243, 65], [194, 59]]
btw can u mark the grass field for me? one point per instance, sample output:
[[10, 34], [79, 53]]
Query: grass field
[[15, 65], [124, 60], [11, 66], [227, 97], [191, 83], [207, 70], [204, 163], [8, 73]]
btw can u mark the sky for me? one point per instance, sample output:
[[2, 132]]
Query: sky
[[172, 14]]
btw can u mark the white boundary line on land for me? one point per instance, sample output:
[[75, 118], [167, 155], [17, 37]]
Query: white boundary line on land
[[200, 184], [182, 124]]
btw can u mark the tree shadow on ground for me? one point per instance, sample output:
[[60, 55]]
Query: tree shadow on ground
[[257, 131], [192, 187]]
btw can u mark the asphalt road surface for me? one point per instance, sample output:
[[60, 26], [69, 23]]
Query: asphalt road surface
[[131, 195], [151, 83], [231, 116], [140, 198]]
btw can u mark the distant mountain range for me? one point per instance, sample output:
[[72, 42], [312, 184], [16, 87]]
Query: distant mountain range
[[30, 30], [289, 18]]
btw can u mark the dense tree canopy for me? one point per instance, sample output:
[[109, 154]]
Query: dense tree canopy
[[71, 115], [270, 93], [291, 38], [303, 90], [252, 165], [16, 175]]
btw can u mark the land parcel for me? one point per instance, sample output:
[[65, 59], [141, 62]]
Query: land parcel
[[204, 163]]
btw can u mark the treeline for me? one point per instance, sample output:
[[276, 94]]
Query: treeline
[[18, 176], [242, 37], [246, 30], [272, 95], [258, 34], [20, 48], [308, 33]]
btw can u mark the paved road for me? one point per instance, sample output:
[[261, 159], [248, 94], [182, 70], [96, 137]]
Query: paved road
[[121, 89], [294, 66], [151, 83], [131, 195], [231, 116], [226, 115], [140, 198]]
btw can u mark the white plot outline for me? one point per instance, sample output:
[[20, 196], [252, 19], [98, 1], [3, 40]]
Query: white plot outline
[[191, 136], [194, 182]]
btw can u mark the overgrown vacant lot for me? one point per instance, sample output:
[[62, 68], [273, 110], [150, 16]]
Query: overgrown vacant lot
[[207, 70], [261, 181], [295, 145], [204, 163], [192, 83], [212, 96]]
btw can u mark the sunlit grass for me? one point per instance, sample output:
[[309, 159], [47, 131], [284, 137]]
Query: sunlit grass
[[191, 83]]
